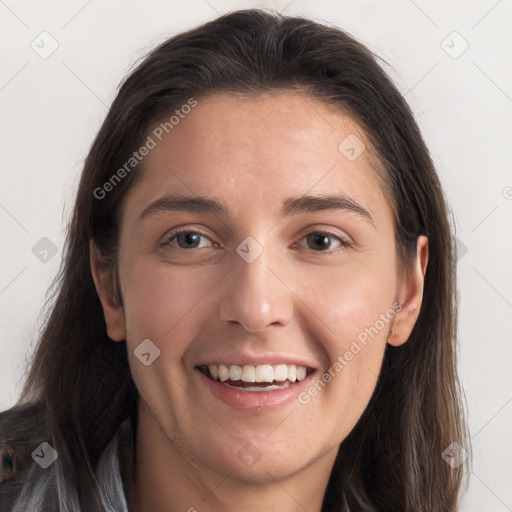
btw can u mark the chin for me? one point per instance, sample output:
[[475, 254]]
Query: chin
[[256, 459]]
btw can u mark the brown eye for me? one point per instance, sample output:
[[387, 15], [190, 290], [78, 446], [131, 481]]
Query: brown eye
[[321, 241], [186, 240]]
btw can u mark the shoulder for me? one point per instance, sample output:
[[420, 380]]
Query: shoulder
[[22, 429]]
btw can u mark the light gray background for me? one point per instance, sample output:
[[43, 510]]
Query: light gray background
[[51, 108]]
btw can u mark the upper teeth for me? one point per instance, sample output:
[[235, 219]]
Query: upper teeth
[[258, 373]]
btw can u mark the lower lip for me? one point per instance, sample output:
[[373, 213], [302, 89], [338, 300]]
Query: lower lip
[[255, 400]]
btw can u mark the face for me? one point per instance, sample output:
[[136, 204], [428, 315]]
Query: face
[[286, 299]]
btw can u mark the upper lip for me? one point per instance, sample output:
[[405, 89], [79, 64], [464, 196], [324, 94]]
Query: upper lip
[[242, 358]]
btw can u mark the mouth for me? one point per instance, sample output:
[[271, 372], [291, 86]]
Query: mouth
[[256, 378]]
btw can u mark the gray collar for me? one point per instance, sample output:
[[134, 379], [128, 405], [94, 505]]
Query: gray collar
[[116, 467]]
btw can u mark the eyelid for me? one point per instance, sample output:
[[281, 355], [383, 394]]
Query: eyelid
[[327, 230], [184, 229], [345, 241]]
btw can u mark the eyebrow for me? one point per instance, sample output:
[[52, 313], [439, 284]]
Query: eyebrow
[[291, 206]]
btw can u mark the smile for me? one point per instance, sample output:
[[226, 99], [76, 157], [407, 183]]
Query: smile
[[257, 378]]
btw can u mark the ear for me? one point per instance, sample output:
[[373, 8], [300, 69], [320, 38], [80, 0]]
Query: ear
[[104, 281], [410, 295]]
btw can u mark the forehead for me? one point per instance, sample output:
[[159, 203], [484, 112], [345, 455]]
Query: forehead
[[255, 151]]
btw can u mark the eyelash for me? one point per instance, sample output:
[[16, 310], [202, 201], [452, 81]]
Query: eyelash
[[345, 244]]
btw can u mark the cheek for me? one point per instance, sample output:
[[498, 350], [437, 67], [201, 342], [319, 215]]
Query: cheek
[[160, 304], [158, 301], [355, 308], [351, 298]]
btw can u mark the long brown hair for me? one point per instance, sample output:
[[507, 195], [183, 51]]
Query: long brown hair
[[392, 460]]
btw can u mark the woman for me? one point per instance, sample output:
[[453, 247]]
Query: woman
[[256, 308]]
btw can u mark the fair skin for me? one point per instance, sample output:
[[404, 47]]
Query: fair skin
[[201, 303]]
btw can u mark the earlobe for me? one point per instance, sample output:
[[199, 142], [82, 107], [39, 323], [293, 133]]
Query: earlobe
[[410, 296], [104, 281]]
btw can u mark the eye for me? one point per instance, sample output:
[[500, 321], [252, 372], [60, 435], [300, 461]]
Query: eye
[[186, 239], [320, 241]]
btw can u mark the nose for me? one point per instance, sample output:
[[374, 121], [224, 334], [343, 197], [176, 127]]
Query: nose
[[256, 295]]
